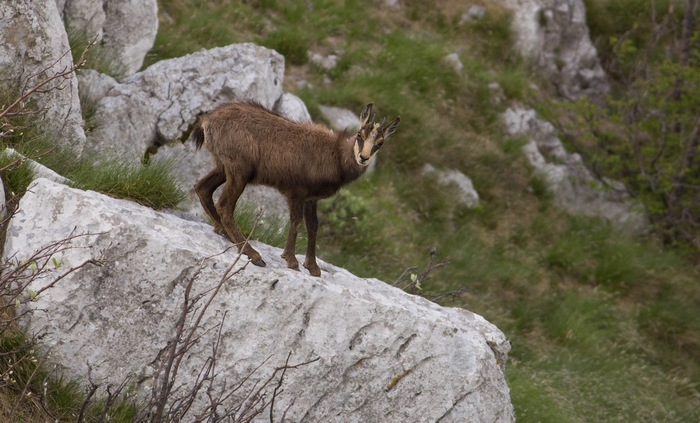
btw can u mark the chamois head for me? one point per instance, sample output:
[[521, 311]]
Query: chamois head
[[371, 135]]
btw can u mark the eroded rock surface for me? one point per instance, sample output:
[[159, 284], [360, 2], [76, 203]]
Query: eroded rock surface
[[125, 29], [572, 185], [383, 355], [555, 35], [34, 47]]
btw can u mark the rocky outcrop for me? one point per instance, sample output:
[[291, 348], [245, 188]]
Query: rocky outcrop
[[571, 184], [381, 354], [554, 34], [34, 47], [126, 29], [157, 106]]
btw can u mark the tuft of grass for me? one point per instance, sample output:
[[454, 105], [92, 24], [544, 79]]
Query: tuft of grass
[[151, 184]]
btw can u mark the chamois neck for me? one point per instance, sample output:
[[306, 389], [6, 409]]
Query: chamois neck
[[350, 169]]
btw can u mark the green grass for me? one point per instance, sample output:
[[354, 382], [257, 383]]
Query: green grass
[[151, 184]]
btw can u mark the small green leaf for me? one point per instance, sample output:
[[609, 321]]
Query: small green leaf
[[57, 263]]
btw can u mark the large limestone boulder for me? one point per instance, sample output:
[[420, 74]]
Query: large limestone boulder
[[126, 29], [572, 185], [554, 34], [382, 354], [157, 106], [34, 47]]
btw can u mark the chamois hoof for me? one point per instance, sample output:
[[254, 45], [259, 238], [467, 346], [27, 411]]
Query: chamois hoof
[[314, 270], [259, 263]]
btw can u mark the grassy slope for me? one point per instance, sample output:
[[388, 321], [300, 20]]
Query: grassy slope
[[604, 327]]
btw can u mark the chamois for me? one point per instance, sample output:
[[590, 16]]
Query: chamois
[[306, 162]]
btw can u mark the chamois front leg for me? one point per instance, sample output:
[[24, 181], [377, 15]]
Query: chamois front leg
[[311, 228], [226, 208], [296, 214]]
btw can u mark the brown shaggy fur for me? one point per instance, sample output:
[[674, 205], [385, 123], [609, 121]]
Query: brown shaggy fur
[[305, 162]]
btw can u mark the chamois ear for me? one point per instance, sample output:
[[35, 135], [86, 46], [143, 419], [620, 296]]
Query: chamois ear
[[365, 115], [391, 127]]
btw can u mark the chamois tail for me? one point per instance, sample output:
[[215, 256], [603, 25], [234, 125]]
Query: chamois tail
[[198, 136]]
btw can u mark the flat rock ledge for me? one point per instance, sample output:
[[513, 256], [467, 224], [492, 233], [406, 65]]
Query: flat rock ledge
[[383, 355]]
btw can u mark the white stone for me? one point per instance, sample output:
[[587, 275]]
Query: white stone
[[467, 195], [293, 108], [475, 13], [33, 47], [324, 62], [452, 60], [340, 119], [126, 29], [383, 355]]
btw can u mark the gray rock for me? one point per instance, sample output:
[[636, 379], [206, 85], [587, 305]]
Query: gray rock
[[93, 86], [571, 184], [467, 194], [33, 47], [392, 4], [452, 60], [324, 62], [340, 119], [381, 352], [475, 13], [158, 105], [554, 34], [82, 18], [293, 108], [126, 29]]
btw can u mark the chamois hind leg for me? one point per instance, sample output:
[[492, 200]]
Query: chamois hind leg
[[226, 208], [311, 220], [205, 191], [296, 214]]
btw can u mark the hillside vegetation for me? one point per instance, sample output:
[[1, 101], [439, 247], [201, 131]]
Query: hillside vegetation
[[604, 326]]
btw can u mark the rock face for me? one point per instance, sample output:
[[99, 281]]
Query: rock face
[[126, 29], [555, 35], [573, 186], [33, 47], [158, 105], [383, 355]]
